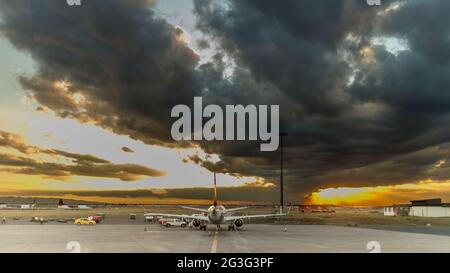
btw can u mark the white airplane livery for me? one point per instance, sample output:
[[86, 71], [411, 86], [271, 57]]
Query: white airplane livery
[[216, 215]]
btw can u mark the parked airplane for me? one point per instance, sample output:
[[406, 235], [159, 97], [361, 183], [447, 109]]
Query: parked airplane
[[216, 215], [61, 205], [28, 206]]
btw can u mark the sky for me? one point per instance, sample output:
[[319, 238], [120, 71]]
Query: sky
[[86, 94]]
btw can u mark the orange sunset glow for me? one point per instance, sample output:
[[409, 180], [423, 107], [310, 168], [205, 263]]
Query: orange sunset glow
[[380, 195]]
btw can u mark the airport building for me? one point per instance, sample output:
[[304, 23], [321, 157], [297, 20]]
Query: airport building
[[420, 208], [429, 208], [397, 210]]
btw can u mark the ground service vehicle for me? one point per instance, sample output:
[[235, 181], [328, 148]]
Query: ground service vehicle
[[84, 221]]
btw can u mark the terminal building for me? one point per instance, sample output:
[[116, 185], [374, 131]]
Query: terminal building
[[429, 208], [420, 208], [397, 210]]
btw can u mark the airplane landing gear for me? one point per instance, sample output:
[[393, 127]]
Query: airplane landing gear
[[203, 227], [231, 227]]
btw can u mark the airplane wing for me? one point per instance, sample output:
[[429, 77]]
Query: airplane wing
[[232, 218], [235, 209], [197, 217], [197, 209]]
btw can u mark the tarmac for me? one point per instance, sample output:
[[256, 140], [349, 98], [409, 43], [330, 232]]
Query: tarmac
[[107, 238]]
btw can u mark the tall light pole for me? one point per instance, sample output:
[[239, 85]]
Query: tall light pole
[[281, 172]]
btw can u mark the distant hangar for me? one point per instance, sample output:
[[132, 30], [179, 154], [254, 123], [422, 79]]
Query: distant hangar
[[420, 208]]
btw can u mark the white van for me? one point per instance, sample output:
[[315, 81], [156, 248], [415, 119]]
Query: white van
[[175, 223]]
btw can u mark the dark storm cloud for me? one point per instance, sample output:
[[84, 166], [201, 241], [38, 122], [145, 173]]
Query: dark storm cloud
[[426, 25], [14, 141], [124, 172], [356, 113], [130, 66], [127, 150], [82, 164], [341, 132], [292, 44], [203, 44], [77, 157]]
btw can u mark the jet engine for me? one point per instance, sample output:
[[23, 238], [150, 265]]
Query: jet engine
[[238, 222], [196, 223]]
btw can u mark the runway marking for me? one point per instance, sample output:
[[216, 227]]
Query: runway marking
[[317, 246], [214, 242]]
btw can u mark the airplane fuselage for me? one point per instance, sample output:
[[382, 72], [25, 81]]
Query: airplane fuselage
[[216, 215]]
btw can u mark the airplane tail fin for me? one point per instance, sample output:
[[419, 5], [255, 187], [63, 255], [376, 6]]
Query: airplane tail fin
[[215, 190]]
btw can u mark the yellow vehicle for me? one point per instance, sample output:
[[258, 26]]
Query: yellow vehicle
[[84, 221]]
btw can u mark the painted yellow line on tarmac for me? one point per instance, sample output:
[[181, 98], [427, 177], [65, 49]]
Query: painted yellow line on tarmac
[[214, 243]]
